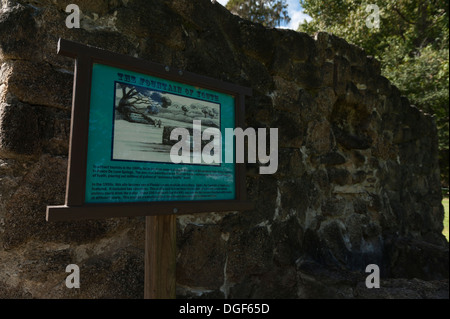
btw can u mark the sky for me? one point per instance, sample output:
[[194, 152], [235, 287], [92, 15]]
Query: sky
[[295, 13]]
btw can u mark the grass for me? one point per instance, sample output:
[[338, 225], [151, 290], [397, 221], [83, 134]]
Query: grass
[[445, 204]]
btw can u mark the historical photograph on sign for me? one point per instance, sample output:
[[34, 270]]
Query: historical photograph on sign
[[144, 119]]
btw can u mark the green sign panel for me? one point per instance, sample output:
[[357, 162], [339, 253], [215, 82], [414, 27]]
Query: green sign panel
[[130, 121]]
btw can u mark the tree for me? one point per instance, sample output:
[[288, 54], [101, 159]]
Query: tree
[[184, 109], [136, 101], [130, 99], [166, 102], [270, 13], [412, 44], [205, 111]]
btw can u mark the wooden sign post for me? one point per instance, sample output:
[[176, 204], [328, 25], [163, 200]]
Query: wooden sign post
[[120, 163], [160, 257]]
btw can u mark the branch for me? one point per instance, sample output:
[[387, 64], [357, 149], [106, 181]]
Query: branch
[[402, 16]]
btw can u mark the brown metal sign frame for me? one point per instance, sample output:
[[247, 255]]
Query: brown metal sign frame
[[75, 207]]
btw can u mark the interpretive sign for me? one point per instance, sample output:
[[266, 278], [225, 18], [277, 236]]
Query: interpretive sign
[[149, 140], [131, 118]]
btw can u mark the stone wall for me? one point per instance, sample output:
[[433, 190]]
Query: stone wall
[[357, 183]]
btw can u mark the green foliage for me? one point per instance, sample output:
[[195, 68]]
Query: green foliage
[[446, 210], [270, 13], [424, 78], [412, 44]]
